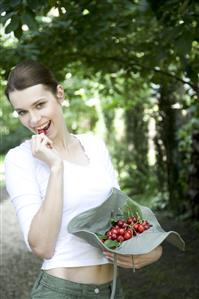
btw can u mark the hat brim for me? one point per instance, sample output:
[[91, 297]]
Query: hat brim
[[97, 221]]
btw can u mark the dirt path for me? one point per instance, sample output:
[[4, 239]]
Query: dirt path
[[175, 276], [18, 268]]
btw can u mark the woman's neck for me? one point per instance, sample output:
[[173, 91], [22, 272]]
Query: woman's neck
[[63, 141]]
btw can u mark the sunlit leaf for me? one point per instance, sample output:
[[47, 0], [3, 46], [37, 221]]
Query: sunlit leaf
[[13, 25], [29, 20]]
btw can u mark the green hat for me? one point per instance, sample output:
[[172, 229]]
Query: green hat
[[94, 222]]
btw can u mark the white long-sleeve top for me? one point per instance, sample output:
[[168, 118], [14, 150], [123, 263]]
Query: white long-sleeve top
[[85, 187]]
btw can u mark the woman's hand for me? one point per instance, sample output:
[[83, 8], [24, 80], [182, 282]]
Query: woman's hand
[[136, 261], [42, 149]]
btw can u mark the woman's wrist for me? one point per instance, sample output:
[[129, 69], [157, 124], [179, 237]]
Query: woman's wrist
[[57, 166]]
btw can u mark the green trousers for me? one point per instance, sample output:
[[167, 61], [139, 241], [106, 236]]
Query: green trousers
[[51, 287]]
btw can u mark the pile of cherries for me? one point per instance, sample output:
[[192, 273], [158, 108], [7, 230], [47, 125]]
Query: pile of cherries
[[123, 230]]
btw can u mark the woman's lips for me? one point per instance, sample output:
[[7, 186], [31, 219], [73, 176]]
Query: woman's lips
[[45, 129], [42, 131]]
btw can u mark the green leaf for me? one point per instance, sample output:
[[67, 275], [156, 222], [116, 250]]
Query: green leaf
[[184, 43], [18, 32], [34, 4], [15, 3], [143, 5], [117, 217], [13, 25], [29, 20], [101, 237], [111, 244], [6, 17]]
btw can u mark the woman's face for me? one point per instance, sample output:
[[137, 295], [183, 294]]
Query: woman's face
[[38, 108]]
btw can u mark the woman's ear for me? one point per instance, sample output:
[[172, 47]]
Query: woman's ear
[[60, 93]]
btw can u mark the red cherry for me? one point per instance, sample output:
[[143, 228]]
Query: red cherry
[[127, 236], [140, 228], [114, 231], [120, 238], [129, 220], [113, 237], [135, 226], [116, 226], [120, 223], [125, 225], [109, 233], [42, 131], [129, 231], [146, 224], [134, 218], [121, 231]]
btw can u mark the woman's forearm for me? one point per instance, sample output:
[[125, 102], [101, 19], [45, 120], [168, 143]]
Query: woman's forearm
[[137, 261], [46, 223]]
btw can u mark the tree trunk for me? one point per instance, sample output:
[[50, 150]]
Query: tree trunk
[[137, 151], [193, 181], [167, 127]]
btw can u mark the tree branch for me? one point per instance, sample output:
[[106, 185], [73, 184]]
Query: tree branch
[[195, 87]]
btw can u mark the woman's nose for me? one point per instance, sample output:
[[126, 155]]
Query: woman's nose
[[34, 118]]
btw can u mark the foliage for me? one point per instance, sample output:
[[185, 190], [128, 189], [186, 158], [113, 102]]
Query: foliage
[[138, 36], [116, 58]]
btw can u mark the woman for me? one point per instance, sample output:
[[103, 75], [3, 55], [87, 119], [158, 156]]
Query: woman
[[50, 179]]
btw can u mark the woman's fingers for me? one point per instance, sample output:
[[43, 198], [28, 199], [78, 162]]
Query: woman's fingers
[[42, 149], [124, 261], [46, 141], [40, 140], [136, 261], [40, 145]]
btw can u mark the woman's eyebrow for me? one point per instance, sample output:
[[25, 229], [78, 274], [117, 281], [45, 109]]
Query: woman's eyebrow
[[32, 105]]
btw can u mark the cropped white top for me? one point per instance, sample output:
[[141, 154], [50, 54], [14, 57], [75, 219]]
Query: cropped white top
[[85, 187]]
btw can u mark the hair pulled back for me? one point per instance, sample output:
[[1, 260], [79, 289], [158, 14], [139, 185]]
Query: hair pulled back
[[29, 73]]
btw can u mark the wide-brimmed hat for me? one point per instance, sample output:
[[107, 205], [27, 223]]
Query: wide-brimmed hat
[[93, 222], [89, 225]]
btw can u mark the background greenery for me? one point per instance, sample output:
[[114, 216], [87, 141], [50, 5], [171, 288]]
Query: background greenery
[[130, 72]]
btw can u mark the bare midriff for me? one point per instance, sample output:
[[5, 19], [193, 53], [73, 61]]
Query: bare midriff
[[97, 274]]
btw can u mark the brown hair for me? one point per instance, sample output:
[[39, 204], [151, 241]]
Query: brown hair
[[29, 73]]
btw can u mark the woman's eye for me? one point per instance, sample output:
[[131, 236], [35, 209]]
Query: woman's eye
[[40, 105], [21, 113]]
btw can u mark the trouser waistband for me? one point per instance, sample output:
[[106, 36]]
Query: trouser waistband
[[74, 288]]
